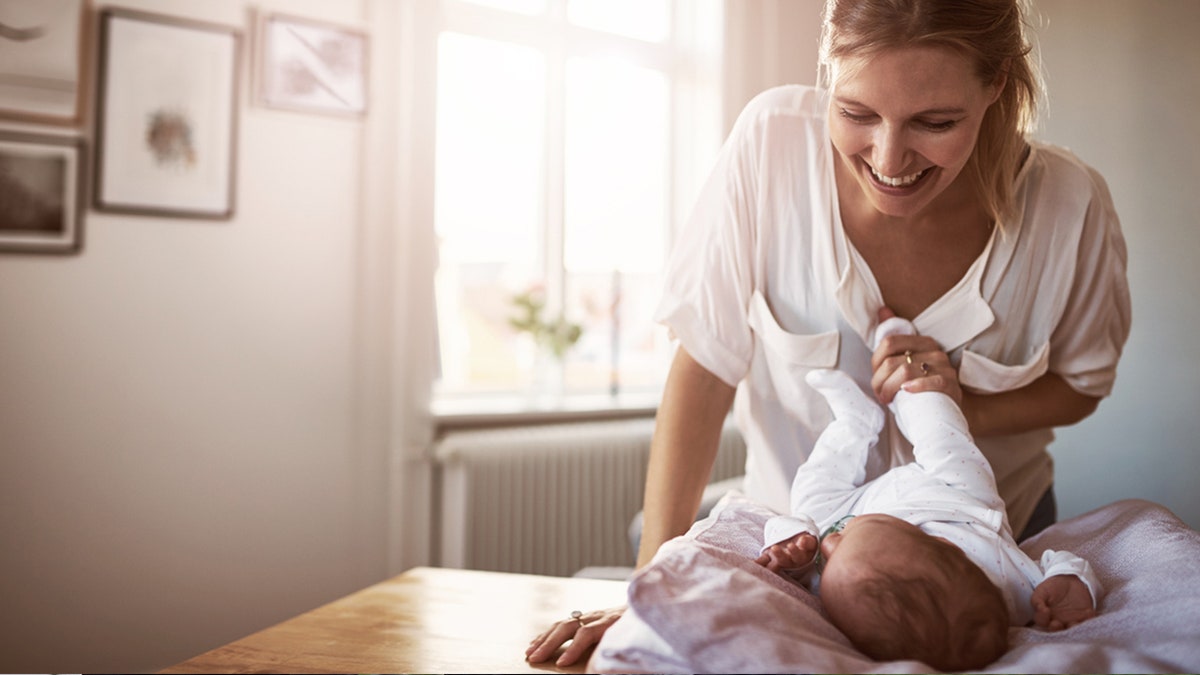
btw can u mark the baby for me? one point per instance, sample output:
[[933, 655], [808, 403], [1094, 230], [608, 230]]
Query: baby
[[919, 563]]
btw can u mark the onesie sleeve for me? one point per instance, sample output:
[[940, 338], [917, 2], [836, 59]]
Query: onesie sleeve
[[1059, 563], [708, 281], [1088, 340], [782, 528]]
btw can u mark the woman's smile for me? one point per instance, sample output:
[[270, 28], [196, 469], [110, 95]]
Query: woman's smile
[[901, 182]]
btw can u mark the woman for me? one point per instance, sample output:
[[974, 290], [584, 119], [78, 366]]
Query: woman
[[906, 182]]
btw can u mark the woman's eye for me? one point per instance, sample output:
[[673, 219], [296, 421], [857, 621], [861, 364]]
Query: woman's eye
[[939, 126], [856, 117]]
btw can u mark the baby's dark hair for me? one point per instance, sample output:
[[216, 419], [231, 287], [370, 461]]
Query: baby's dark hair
[[913, 621]]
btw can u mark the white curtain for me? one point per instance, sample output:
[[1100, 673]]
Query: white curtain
[[768, 43]]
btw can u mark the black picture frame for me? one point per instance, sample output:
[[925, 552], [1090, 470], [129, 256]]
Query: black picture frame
[[41, 200], [166, 119]]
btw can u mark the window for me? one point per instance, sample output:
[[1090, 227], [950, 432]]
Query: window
[[572, 136]]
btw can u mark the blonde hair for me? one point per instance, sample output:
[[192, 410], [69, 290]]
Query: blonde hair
[[991, 33]]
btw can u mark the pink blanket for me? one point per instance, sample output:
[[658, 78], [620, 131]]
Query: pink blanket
[[703, 605]]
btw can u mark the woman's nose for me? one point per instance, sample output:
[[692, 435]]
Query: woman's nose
[[890, 155]]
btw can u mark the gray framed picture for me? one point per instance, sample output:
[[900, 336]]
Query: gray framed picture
[[41, 206], [42, 60], [311, 66], [166, 118]]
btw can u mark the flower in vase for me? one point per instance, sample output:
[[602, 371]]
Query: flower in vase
[[557, 335]]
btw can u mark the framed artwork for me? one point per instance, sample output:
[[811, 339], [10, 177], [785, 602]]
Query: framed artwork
[[166, 124], [42, 59], [311, 66], [41, 208]]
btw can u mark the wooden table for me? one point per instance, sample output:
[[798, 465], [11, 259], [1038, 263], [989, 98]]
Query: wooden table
[[427, 620]]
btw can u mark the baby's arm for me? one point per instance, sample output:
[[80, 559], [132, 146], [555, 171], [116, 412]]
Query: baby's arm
[[1061, 602], [1068, 595], [790, 554], [789, 542]]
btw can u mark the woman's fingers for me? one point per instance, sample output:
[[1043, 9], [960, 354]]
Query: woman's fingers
[[581, 633], [914, 362], [544, 645], [892, 349], [587, 637]]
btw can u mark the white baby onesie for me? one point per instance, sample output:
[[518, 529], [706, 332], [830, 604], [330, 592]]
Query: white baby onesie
[[948, 492]]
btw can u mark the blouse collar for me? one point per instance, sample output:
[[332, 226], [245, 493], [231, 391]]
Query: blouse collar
[[954, 319]]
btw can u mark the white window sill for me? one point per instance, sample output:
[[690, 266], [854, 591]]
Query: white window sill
[[464, 412]]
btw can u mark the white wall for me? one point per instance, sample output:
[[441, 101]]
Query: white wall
[[196, 417], [768, 42], [1123, 94]]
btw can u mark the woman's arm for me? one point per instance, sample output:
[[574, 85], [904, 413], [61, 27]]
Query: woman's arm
[[917, 363], [1046, 402], [687, 435]]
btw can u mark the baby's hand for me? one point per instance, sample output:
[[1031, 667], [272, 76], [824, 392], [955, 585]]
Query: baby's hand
[[1061, 602], [790, 554]]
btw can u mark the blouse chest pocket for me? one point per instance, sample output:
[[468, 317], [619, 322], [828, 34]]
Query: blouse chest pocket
[[788, 356], [980, 374]]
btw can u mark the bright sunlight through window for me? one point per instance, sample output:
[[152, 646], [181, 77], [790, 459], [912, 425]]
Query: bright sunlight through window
[[571, 138]]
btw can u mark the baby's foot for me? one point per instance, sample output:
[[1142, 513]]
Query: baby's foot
[[893, 325], [790, 554], [847, 401]]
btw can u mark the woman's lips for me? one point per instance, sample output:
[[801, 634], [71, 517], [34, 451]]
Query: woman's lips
[[898, 182]]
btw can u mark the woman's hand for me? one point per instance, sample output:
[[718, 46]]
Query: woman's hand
[[583, 633], [914, 362]]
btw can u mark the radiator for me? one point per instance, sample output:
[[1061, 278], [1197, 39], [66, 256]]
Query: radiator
[[549, 499]]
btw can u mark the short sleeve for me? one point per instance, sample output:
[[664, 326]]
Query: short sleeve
[[1087, 343], [708, 281]]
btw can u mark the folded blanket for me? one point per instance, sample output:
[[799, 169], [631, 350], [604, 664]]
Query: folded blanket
[[703, 606]]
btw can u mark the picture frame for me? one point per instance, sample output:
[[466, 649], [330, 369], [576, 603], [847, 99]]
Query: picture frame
[[166, 117], [43, 60], [311, 66], [41, 205]]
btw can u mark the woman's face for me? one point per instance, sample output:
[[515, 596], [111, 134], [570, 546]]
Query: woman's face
[[904, 123]]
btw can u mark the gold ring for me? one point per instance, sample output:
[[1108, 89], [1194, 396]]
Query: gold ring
[[578, 616], [924, 368], [908, 356]]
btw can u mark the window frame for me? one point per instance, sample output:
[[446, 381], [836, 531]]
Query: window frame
[[690, 58]]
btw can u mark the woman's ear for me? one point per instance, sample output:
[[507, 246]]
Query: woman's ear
[[997, 85]]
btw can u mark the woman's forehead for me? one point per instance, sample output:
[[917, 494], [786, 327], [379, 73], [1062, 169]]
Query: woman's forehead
[[920, 69]]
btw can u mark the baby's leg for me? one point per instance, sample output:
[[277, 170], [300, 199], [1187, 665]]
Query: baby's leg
[[893, 326], [935, 425], [850, 405], [838, 460], [942, 442]]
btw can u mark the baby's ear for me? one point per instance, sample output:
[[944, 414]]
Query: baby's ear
[[829, 543]]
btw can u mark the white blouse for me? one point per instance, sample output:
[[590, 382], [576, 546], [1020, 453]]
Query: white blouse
[[763, 286]]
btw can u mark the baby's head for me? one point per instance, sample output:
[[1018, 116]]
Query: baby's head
[[899, 593]]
